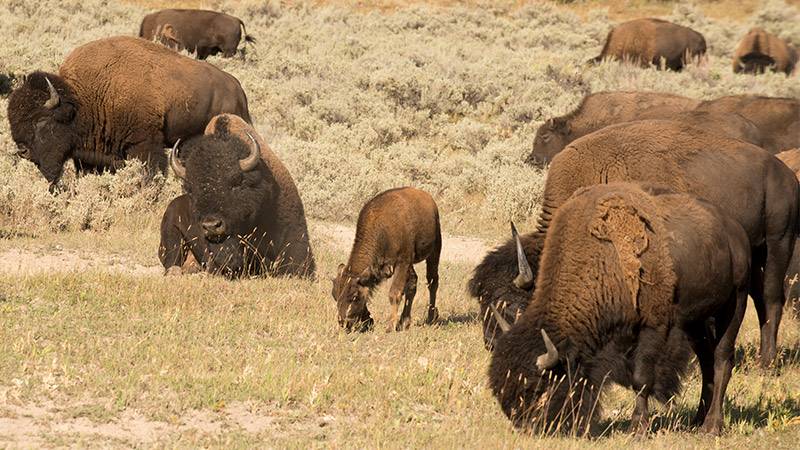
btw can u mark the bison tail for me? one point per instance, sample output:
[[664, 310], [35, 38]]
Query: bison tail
[[249, 38]]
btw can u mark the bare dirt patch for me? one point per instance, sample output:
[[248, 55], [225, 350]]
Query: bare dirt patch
[[17, 261]]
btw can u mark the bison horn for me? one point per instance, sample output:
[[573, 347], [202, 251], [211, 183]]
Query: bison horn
[[251, 161], [525, 277], [499, 318], [175, 162], [54, 99], [549, 359]]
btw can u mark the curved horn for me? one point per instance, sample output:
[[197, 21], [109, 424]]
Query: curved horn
[[251, 161], [525, 277], [175, 162], [54, 99], [499, 318], [549, 359]]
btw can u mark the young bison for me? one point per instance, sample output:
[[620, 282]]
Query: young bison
[[627, 274], [396, 229]]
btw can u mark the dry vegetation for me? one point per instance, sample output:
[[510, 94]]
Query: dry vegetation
[[356, 97]]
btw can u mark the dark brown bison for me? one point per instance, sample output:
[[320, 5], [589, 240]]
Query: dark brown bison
[[740, 179], [649, 41], [242, 214], [625, 278], [760, 50], [396, 229], [115, 99], [777, 118], [792, 282], [205, 33], [597, 111]]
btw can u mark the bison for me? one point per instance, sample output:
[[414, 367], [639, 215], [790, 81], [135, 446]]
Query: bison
[[649, 41], [205, 33], [396, 229], [739, 178], [627, 275], [792, 282], [777, 118], [599, 110], [760, 50], [241, 214], [115, 99]]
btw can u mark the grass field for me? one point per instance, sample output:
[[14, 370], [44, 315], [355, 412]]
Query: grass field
[[98, 349]]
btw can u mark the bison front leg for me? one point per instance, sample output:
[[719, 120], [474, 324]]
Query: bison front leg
[[396, 295], [651, 345], [432, 277]]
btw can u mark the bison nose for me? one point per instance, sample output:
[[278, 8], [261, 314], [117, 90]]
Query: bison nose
[[213, 226]]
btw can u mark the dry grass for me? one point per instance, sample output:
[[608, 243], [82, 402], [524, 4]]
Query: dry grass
[[446, 98]]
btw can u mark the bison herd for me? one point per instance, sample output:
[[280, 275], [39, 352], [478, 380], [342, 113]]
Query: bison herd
[[661, 213]]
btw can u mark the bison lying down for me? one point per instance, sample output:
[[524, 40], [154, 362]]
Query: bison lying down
[[740, 179], [396, 229], [242, 214], [206, 33], [626, 276]]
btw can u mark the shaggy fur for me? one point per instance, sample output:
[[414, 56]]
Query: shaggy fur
[[626, 276], [259, 212], [777, 119], [205, 33], [121, 98], [648, 41], [726, 124], [597, 111], [396, 229], [760, 50]]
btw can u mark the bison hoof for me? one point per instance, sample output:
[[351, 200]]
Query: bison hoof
[[713, 428], [433, 316], [173, 271]]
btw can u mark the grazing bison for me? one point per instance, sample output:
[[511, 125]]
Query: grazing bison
[[740, 179], [396, 229], [242, 214], [648, 41], [625, 278], [115, 99], [205, 32], [597, 111], [777, 118], [760, 50], [792, 282]]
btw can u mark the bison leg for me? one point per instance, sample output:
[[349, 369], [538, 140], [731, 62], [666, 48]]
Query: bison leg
[[651, 345], [396, 294], [409, 292], [432, 277], [769, 317], [151, 153], [700, 339]]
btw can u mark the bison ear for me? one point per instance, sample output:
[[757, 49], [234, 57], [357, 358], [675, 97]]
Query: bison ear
[[560, 125], [340, 270]]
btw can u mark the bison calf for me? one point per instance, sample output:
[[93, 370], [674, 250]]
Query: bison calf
[[628, 274], [395, 230]]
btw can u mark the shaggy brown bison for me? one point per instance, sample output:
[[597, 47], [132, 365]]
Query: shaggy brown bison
[[777, 118], [597, 111], [649, 41], [115, 99], [740, 179], [396, 229], [625, 277], [242, 214], [792, 282], [760, 50], [205, 33]]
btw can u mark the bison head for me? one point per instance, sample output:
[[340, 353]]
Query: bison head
[[351, 292], [550, 139], [41, 113], [229, 187]]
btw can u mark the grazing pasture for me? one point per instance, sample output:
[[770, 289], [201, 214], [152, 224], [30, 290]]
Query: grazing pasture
[[97, 348]]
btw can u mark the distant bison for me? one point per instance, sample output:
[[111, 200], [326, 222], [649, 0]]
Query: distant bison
[[242, 214], [741, 179], [760, 50], [777, 118], [115, 99], [395, 230], [626, 277], [599, 110], [205, 32], [649, 41]]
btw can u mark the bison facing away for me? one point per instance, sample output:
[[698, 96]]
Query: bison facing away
[[760, 50], [396, 229], [115, 99], [242, 214], [205, 33], [649, 41], [625, 278], [740, 179], [597, 111]]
